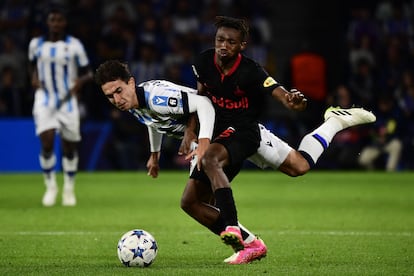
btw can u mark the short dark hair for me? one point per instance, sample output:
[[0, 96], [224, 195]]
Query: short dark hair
[[56, 8], [234, 23], [112, 70]]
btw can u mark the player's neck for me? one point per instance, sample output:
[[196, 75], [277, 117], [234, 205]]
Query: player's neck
[[226, 65], [56, 36]]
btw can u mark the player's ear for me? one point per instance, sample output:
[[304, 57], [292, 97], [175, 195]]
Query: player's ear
[[243, 45], [131, 80]]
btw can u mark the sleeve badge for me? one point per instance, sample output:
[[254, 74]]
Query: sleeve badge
[[269, 81]]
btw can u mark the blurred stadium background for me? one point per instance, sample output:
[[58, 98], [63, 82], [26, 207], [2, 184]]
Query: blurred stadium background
[[336, 52]]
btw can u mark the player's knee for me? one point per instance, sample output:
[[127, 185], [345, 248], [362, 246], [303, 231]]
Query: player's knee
[[187, 203], [295, 165], [296, 172], [209, 163], [301, 168]]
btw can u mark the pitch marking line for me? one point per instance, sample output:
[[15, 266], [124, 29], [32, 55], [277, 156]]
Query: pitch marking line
[[346, 233], [281, 233]]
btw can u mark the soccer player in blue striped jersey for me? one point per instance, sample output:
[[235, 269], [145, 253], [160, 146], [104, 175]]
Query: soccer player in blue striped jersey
[[164, 107], [59, 68]]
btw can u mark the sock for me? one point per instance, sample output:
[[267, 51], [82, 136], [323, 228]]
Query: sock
[[248, 237], [315, 143], [226, 205], [218, 226], [48, 167], [70, 167]]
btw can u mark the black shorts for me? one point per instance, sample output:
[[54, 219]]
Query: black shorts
[[240, 144]]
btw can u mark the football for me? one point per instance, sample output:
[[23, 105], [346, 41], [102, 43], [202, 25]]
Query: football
[[137, 248]]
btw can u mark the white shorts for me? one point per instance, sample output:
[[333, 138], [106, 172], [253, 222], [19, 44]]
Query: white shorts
[[66, 119], [194, 160], [272, 151]]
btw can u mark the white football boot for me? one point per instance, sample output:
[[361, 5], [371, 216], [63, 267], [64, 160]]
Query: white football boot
[[349, 117], [68, 197], [49, 197]]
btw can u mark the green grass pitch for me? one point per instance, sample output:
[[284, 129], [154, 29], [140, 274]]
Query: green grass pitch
[[323, 223]]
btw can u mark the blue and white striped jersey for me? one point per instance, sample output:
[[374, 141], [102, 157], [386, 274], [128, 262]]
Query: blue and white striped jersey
[[162, 106], [57, 65]]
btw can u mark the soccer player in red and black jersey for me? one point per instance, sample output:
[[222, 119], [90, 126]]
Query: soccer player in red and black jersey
[[236, 85]]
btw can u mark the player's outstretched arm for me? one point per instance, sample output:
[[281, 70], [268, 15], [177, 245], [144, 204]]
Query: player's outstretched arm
[[293, 99]]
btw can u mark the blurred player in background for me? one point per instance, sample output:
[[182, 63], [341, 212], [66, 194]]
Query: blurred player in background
[[236, 85], [59, 67]]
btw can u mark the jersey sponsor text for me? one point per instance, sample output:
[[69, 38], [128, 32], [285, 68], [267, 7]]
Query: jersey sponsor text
[[243, 103]]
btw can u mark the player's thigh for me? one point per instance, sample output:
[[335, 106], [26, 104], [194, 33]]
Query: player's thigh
[[45, 118], [239, 144], [69, 125], [272, 151]]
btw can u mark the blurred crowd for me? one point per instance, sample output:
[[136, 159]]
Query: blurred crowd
[[159, 38], [380, 77]]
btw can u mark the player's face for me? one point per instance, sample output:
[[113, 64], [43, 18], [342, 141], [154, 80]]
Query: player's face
[[56, 23], [228, 44], [121, 94]]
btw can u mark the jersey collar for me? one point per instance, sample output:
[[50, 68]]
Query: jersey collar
[[232, 69], [142, 103]]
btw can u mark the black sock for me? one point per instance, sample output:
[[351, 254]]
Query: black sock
[[218, 226], [308, 158], [226, 205], [244, 234]]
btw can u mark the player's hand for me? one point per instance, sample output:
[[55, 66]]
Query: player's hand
[[35, 83], [189, 137], [76, 88], [153, 171], [296, 100], [153, 166], [201, 149]]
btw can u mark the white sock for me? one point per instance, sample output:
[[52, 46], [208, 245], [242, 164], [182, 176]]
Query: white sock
[[316, 142], [70, 167], [251, 236], [48, 167]]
